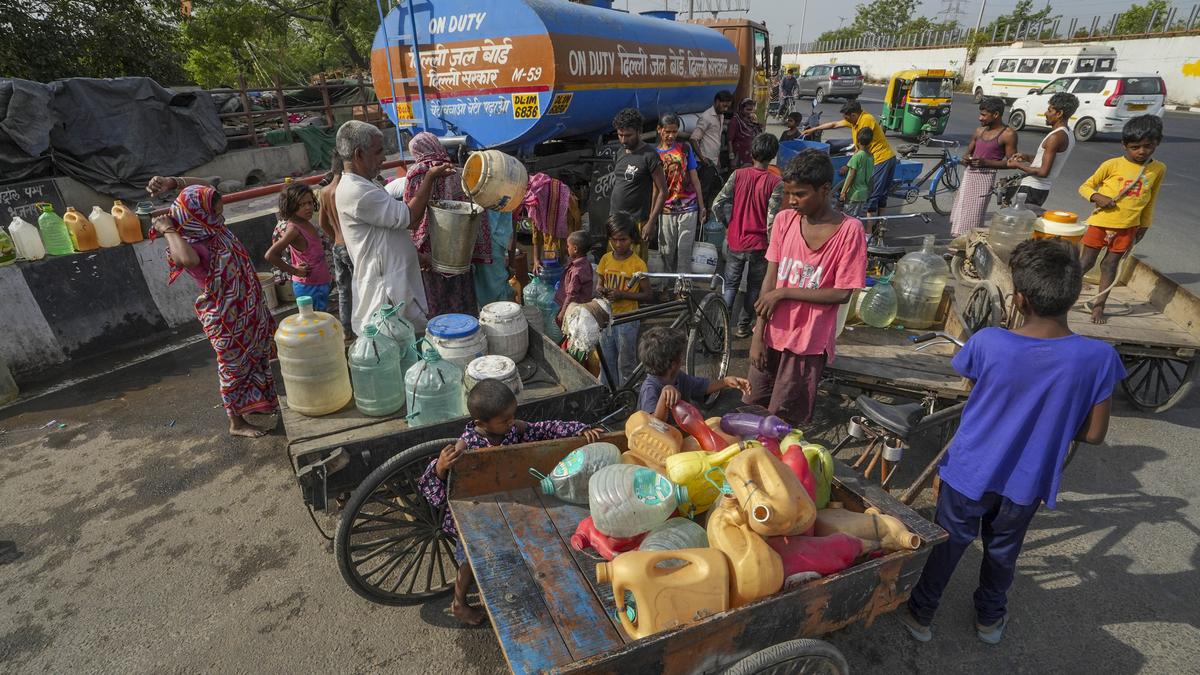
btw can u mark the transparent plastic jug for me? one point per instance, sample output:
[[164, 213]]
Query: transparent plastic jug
[[26, 238], [549, 308], [692, 471], [651, 441], [312, 360], [666, 596], [531, 303], [755, 569], [627, 500], [569, 479], [920, 280], [376, 374], [55, 235], [390, 321], [674, 534], [106, 227], [879, 306], [434, 390], [889, 531], [128, 224], [82, 231], [1011, 226], [8, 249], [771, 495]]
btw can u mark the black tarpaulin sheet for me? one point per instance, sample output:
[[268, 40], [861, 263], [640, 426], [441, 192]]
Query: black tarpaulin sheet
[[113, 135]]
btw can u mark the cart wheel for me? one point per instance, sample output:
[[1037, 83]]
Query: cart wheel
[[942, 198], [985, 308], [708, 341], [389, 544], [796, 656], [1155, 383]]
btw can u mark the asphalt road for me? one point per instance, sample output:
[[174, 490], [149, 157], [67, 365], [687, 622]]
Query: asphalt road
[[1172, 246], [148, 541]]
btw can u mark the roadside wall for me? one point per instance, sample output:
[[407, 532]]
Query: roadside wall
[[70, 307], [1176, 59]]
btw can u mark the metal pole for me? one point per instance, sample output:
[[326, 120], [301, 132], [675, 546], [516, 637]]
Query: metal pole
[[803, 18], [691, 10], [979, 21]]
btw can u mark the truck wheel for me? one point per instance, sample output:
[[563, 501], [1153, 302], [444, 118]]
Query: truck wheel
[[979, 94], [1016, 120], [1085, 130], [795, 656]]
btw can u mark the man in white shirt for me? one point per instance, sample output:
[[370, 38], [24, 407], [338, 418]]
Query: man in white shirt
[[376, 224], [706, 140]]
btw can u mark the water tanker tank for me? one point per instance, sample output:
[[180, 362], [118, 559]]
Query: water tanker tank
[[511, 74]]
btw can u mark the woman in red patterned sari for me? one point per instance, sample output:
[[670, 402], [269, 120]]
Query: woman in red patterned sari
[[230, 307]]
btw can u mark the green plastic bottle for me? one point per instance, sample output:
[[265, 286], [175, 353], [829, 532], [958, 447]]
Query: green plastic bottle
[[55, 234], [879, 307], [8, 250]]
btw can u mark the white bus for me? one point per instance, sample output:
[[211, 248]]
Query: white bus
[[1032, 65]]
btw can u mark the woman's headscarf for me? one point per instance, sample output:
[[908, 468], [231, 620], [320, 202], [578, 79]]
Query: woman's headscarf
[[742, 130], [427, 151], [194, 213]]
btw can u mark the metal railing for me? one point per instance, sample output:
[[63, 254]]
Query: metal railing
[[1050, 29], [258, 121]]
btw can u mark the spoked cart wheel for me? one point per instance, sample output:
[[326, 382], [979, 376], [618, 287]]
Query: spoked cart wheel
[[810, 657], [985, 308], [708, 343], [389, 544], [1155, 383]]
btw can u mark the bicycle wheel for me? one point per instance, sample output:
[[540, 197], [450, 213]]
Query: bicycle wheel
[[942, 198], [389, 545], [708, 340]]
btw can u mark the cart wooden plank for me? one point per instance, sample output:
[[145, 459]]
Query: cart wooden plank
[[1132, 319], [524, 625], [569, 595]]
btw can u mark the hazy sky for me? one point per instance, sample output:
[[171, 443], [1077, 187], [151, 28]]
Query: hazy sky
[[779, 13]]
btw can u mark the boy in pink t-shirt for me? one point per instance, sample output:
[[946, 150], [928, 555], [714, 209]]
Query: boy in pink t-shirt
[[816, 257]]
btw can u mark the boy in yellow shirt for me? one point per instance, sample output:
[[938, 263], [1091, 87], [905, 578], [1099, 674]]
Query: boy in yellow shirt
[[1123, 191]]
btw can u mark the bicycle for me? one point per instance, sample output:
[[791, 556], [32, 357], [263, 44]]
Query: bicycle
[[708, 338], [943, 176], [784, 108], [881, 256]]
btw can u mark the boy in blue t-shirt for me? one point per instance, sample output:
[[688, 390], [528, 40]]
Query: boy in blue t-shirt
[[661, 351], [1036, 389]]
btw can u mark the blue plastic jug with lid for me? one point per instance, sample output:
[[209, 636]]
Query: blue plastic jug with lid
[[434, 390], [375, 373]]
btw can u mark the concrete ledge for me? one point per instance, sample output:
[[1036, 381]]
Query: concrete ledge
[[85, 305]]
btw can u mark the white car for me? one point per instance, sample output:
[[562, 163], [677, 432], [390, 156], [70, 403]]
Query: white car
[[1106, 102]]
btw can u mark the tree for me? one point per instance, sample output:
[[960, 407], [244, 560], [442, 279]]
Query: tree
[[45, 40], [1136, 19], [1021, 18], [886, 18]]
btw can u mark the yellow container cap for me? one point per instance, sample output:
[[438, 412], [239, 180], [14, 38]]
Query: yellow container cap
[[1060, 224]]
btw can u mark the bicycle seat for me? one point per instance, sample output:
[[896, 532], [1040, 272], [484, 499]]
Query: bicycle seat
[[898, 419]]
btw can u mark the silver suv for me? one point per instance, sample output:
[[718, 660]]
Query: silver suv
[[831, 80]]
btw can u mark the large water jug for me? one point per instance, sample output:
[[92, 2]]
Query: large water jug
[[1011, 226], [625, 500], [106, 227], [920, 279], [55, 235], [879, 305], [651, 441], [434, 390], [8, 249], [82, 231], [675, 534], [390, 321], [569, 479], [312, 360], [889, 531], [550, 309], [128, 224], [755, 569], [531, 302], [694, 470], [666, 596], [376, 374], [772, 496], [714, 233], [551, 274], [27, 239]]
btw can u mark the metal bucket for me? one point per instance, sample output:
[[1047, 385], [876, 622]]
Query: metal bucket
[[453, 227]]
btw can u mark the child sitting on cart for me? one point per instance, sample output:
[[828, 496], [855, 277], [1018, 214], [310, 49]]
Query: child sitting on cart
[[1035, 389], [493, 409], [661, 350]]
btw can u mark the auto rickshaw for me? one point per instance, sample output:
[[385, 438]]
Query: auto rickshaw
[[917, 102]]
